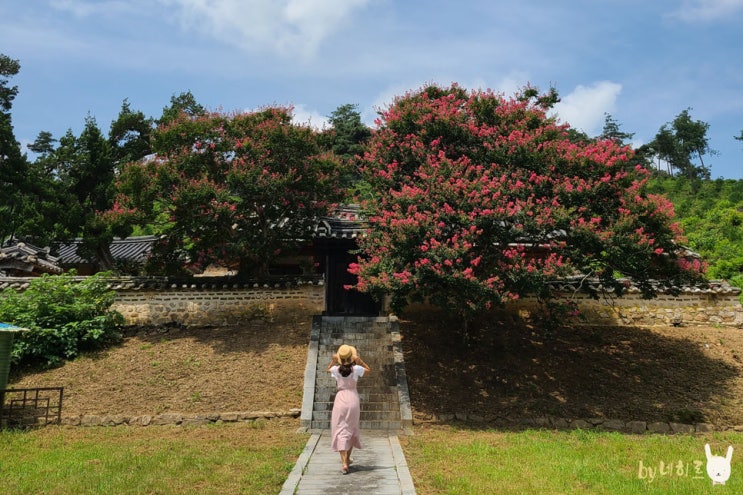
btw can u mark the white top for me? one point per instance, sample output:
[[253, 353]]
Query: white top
[[358, 372]]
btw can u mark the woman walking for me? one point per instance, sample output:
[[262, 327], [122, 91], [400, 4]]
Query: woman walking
[[346, 367]]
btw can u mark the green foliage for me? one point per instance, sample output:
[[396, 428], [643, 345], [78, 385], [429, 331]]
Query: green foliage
[[737, 281], [480, 200], [711, 214], [241, 189], [64, 316], [346, 139], [682, 141], [15, 204]]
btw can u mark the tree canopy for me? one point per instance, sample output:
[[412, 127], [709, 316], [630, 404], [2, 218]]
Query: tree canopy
[[680, 142], [241, 189], [14, 204], [481, 199]]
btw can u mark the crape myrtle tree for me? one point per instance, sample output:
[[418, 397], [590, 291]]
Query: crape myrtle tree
[[481, 199], [241, 189]]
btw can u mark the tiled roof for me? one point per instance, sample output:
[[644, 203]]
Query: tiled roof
[[195, 283], [720, 287], [346, 222], [130, 249], [27, 258]]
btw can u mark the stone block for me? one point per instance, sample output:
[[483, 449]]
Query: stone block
[[612, 425], [71, 420], [659, 427], [681, 428], [542, 422], [560, 423], [580, 424], [636, 427], [91, 420], [167, 419]]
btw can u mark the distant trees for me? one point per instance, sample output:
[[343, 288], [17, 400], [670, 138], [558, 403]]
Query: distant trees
[[348, 134], [14, 203], [611, 130], [681, 142], [711, 213], [480, 199]]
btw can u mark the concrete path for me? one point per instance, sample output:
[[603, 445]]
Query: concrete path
[[379, 468]]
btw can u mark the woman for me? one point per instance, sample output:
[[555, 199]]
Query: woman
[[346, 367]]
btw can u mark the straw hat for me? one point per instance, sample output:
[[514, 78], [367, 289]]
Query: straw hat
[[346, 354]]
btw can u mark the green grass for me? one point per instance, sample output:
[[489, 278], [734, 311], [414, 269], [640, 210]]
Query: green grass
[[255, 458], [451, 460], [221, 459]]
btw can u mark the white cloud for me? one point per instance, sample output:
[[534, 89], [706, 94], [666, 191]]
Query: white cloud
[[304, 116], [282, 26], [585, 107], [707, 10]]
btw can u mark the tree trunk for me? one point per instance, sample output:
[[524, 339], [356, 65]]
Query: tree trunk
[[104, 259]]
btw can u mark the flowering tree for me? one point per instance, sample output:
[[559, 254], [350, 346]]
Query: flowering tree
[[481, 199], [241, 188]]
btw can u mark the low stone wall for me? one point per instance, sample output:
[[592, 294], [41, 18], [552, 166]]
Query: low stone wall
[[175, 419], [635, 427], [688, 308], [214, 305], [219, 301]]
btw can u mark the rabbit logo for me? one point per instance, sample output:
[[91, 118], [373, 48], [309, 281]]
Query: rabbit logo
[[718, 467]]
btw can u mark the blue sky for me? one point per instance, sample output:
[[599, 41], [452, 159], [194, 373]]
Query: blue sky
[[641, 61]]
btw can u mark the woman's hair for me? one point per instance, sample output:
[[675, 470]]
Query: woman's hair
[[345, 369]]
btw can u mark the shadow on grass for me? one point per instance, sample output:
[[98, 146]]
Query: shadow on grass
[[513, 370]]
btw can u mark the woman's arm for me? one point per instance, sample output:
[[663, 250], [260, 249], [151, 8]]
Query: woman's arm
[[332, 361], [361, 363]]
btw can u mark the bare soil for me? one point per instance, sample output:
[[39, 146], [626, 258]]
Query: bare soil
[[504, 369]]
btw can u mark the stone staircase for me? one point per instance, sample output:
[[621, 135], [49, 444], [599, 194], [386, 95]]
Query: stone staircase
[[385, 403]]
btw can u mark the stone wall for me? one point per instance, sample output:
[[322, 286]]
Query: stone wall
[[194, 305], [688, 308], [217, 301]]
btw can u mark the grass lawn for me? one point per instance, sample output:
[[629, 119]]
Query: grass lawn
[[256, 458], [455, 460], [221, 459]]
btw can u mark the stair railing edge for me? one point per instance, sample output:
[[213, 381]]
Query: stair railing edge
[[406, 410], [310, 371]]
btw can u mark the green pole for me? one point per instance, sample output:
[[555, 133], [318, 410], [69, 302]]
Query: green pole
[[6, 345]]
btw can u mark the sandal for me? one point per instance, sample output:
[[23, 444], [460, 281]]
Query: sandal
[[344, 469]]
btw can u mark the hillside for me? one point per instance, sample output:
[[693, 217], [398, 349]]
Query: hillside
[[687, 374]]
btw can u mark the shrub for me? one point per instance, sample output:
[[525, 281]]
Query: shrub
[[64, 317], [737, 281]]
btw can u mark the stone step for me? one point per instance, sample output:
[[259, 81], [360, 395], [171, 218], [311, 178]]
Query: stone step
[[365, 392], [365, 406], [365, 415], [364, 425], [380, 407]]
